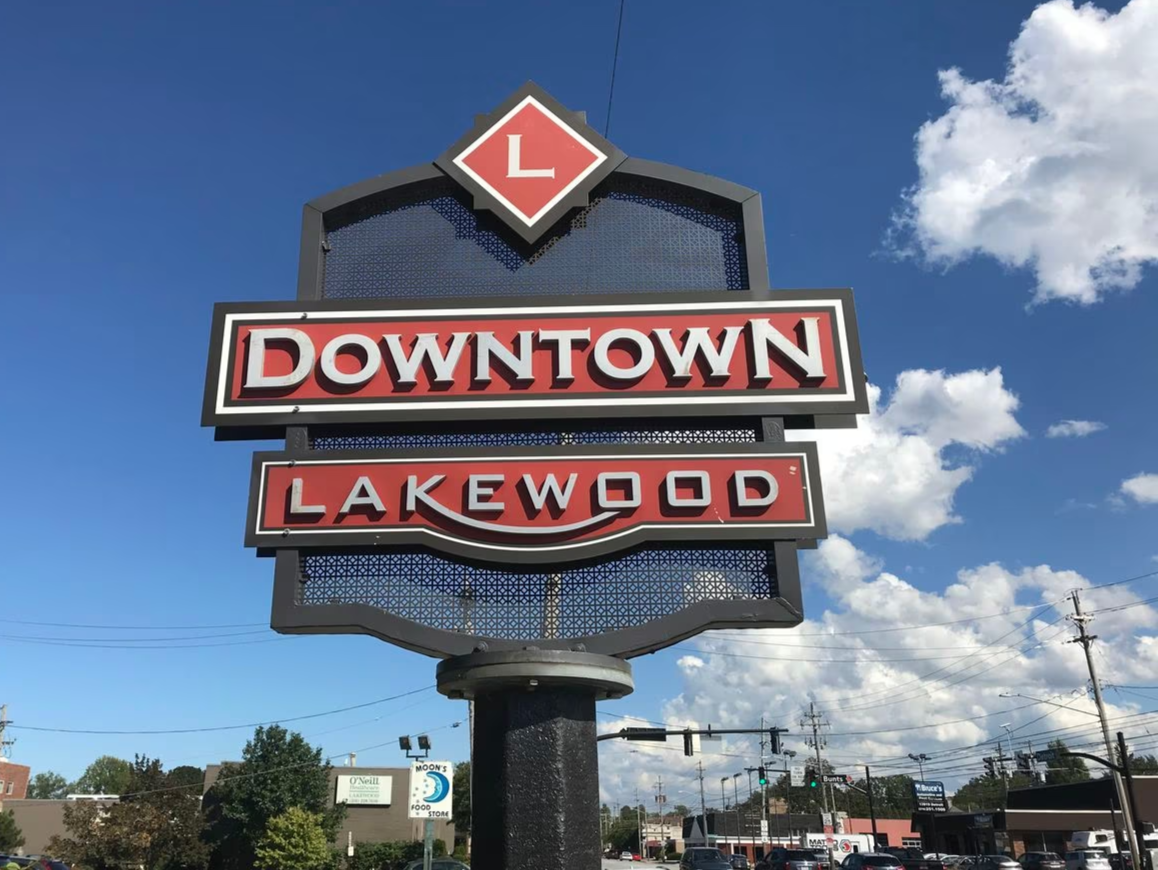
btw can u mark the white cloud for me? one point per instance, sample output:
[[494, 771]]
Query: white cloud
[[889, 692], [891, 474], [1054, 167], [1074, 429], [1143, 488]]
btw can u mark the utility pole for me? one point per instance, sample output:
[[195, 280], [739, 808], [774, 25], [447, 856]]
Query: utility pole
[[660, 800], [638, 824], [868, 785], [813, 721], [703, 805], [1086, 640], [763, 790], [724, 804], [4, 723]]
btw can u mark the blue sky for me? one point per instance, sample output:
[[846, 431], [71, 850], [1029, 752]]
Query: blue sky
[[155, 161]]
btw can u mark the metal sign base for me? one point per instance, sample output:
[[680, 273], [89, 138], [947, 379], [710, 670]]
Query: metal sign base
[[535, 791]]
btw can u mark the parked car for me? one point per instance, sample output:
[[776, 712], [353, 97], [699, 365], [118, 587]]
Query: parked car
[[738, 861], [702, 858], [996, 862], [1041, 861], [912, 858], [1087, 859], [780, 858], [822, 860], [626, 856], [871, 861]]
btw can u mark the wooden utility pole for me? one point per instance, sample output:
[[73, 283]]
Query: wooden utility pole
[[1086, 640]]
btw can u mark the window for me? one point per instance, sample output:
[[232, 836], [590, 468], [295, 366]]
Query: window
[[911, 842], [10, 784], [1, 785]]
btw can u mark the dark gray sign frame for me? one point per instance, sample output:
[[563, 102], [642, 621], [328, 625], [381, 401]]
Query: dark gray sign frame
[[707, 533], [219, 411]]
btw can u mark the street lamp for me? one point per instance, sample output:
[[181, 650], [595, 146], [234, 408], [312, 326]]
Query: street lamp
[[920, 759]]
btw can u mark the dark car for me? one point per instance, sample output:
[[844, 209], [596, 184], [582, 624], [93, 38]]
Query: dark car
[[873, 860], [914, 859], [701, 858], [780, 858], [1041, 861], [738, 861]]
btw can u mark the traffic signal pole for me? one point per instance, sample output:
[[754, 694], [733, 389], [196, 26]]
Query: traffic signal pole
[[868, 783]]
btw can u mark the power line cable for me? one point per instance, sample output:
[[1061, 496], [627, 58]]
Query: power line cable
[[225, 727], [614, 67]]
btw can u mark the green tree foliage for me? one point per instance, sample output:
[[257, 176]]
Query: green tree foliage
[[624, 833], [681, 810], [461, 800], [11, 837], [293, 840], [153, 827], [1065, 769], [48, 786], [1146, 765], [106, 775], [279, 770], [988, 792], [186, 776]]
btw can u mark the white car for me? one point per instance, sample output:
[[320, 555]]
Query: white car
[[1087, 859]]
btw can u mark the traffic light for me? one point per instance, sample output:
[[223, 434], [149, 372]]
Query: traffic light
[[689, 747], [813, 779], [763, 775], [990, 767]]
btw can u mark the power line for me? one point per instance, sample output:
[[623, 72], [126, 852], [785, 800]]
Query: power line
[[225, 727], [614, 67], [118, 645], [131, 640], [135, 627]]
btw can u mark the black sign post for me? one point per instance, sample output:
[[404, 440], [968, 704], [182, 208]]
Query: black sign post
[[534, 397]]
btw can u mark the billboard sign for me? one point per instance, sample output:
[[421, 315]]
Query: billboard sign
[[364, 790], [278, 364], [930, 797], [431, 790], [536, 505]]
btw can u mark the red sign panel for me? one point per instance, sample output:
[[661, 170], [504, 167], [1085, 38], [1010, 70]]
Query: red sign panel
[[727, 353], [536, 505]]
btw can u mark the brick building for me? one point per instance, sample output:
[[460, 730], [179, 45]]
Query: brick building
[[13, 780]]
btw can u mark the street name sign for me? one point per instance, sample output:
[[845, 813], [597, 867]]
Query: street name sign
[[836, 778], [431, 790]]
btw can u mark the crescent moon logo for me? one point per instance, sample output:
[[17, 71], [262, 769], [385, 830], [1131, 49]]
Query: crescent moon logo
[[440, 787]]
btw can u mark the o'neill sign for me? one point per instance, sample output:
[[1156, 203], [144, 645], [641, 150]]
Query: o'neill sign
[[282, 364], [536, 504]]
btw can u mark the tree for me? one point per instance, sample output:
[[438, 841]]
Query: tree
[[106, 775], [1065, 768], [11, 837], [988, 792], [1143, 764], [279, 770], [461, 800], [186, 776], [624, 834], [152, 826], [48, 786], [294, 840], [681, 810]]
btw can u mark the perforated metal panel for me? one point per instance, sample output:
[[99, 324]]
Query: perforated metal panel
[[637, 235]]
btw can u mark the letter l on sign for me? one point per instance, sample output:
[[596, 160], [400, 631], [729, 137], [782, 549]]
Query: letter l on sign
[[514, 159]]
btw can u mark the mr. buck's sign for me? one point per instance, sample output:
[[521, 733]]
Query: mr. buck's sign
[[277, 364]]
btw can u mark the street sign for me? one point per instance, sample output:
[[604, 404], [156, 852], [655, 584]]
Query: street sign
[[431, 790], [1048, 756], [658, 735], [536, 504], [836, 778], [294, 363], [930, 797], [797, 775], [826, 819], [763, 829]]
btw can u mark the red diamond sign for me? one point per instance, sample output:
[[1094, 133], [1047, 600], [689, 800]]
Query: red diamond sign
[[530, 161]]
